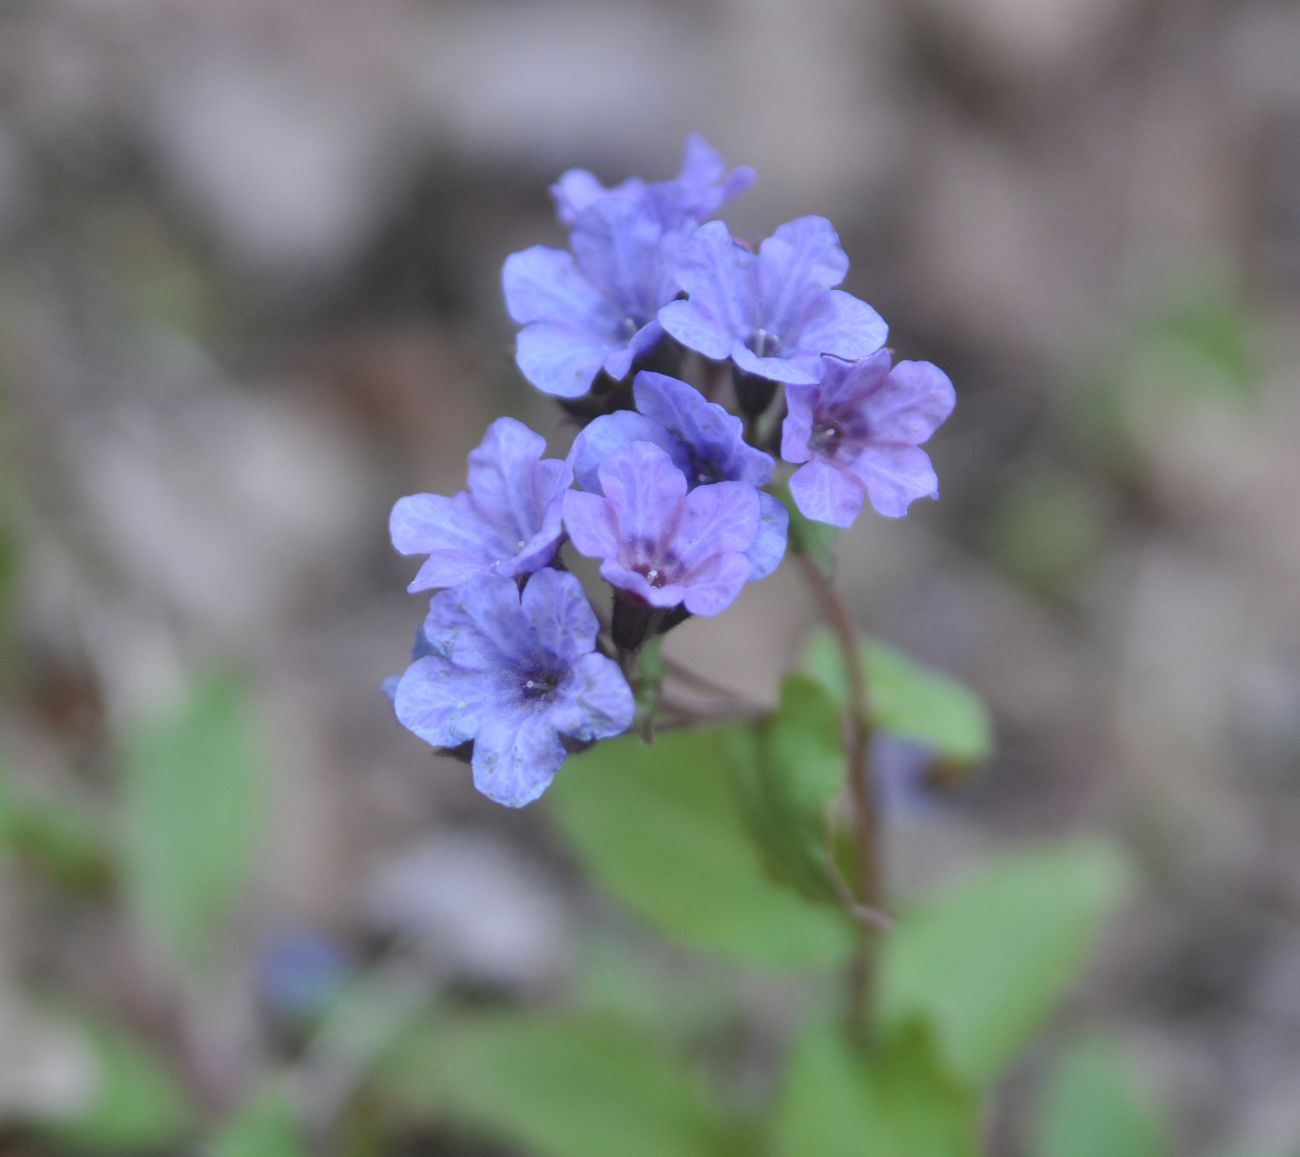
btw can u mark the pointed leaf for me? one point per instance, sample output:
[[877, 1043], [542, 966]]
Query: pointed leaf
[[990, 958], [909, 700]]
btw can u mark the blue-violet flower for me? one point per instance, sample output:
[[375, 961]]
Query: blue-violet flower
[[774, 312], [507, 523], [518, 676], [858, 432], [597, 307], [697, 192], [657, 541]]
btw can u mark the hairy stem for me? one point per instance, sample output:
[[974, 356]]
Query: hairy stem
[[869, 884]]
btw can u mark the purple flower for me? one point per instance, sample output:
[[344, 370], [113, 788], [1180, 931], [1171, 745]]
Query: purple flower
[[657, 541], [858, 431], [507, 523], [694, 195], [774, 312], [519, 676], [704, 441], [597, 307]]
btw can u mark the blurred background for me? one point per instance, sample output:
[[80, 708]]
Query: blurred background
[[249, 295]]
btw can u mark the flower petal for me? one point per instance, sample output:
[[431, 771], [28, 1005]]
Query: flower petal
[[590, 523], [458, 542], [717, 519], [798, 368], [623, 253], [827, 493], [911, 404], [545, 284], [796, 429], [715, 586], [516, 755], [595, 701], [801, 257], [768, 548], [558, 359], [479, 625], [838, 323], [559, 614], [644, 490], [443, 704], [717, 275], [612, 432], [895, 476]]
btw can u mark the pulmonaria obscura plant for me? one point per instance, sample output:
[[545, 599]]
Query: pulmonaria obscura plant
[[633, 328]]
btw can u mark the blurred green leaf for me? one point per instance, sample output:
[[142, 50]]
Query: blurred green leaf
[[898, 1101], [816, 540], [659, 827], [789, 769], [1047, 530], [61, 838], [1094, 1105], [193, 799], [909, 699], [137, 1105], [560, 1088], [988, 960], [265, 1126]]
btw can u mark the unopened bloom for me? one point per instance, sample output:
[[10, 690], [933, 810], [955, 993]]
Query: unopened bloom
[[858, 432], [518, 676], [704, 441], [661, 542], [697, 192], [596, 308], [507, 523], [774, 312]]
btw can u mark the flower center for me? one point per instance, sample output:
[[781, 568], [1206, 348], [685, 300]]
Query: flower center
[[764, 344], [629, 328], [825, 438], [653, 575], [540, 685]]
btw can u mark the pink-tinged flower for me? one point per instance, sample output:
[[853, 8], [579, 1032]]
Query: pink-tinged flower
[[704, 441], [858, 433], [660, 542]]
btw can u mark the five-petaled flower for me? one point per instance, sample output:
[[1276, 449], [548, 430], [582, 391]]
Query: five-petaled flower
[[774, 312], [858, 433], [658, 540], [507, 523], [704, 441], [518, 676]]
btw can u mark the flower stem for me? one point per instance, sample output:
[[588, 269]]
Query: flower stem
[[869, 883]]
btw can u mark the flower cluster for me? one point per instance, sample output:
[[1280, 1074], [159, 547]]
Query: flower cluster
[[664, 486]]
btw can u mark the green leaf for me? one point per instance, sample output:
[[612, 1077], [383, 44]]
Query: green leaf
[[908, 699], [59, 837], [137, 1105], [659, 827], [559, 1088], [989, 959], [1095, 1105], [897, 1101], [193, 799], [816, 540], [265, 1126], [789, 768]]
